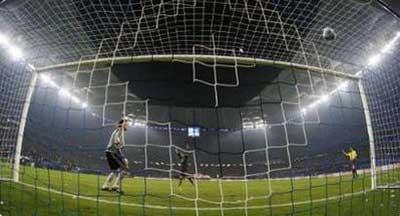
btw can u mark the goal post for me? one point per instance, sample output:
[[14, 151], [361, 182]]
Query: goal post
[[222, 59], [22, 124], [370, 134]]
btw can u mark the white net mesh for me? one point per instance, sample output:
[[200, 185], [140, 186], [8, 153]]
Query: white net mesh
[[268, 30], [314, 90], [14, 84]]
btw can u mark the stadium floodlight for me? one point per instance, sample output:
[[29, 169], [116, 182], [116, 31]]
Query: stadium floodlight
[[15, 52], [47, 79], [193, 131], [247, 125], [324, 98], [312, 105], [31, 67], [75, 99], [374, 60], [276, 38], [139, 123], [343, 86], [64, 92], [259, 124], [4, 40], [389, 47]]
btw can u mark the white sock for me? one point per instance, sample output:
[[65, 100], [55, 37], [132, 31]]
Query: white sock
[[108, 180], [117, 180]]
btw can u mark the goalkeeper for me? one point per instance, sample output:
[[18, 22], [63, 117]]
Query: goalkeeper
[[352, 155], [183, 160], [116, 161]]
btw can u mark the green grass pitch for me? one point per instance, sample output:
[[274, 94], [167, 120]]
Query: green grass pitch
[[51, 192]]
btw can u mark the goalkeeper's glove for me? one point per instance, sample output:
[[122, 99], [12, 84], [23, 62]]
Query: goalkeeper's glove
[[126, 163]]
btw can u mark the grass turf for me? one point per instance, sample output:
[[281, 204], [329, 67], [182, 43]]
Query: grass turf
[[52, 192]]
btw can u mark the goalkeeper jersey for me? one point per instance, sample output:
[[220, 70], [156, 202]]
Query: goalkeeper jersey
[[116, 141], [352, 155], [183, 159]]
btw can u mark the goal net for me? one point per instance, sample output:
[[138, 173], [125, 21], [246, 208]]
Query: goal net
[[238, 107]]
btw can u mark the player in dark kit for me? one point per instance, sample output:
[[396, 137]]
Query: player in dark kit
[[183, 160]]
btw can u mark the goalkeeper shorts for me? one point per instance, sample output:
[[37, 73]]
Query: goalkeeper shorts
[[115, 161]]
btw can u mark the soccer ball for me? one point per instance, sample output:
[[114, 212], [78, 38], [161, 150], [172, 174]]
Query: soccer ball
[[328, 34]]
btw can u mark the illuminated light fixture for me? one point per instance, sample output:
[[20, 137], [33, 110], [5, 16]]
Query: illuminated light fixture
[[373, 61], [84, 105], [259, 124], [139, 123], [248, 125], [193, 131]]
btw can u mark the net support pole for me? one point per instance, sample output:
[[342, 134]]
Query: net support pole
[[370, 134], [21, 129]]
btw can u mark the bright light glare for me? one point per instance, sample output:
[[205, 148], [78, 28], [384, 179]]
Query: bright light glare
[[75, 99], [259, 124], [343, 86], [15, 52], [374, 60], [45, 78], [324, 98], [140, 123], [247, 125], [84, 105], [4, 40], [65, 93], [387, 48], [31, 67], [391, 44]]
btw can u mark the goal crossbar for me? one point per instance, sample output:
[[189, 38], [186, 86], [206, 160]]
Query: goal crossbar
[[201, 58]]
